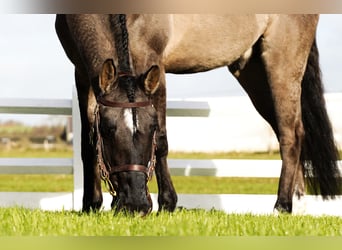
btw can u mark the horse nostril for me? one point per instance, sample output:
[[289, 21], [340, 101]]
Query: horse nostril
[[133, 202]]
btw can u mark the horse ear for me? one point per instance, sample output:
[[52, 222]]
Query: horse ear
[[151, 81], [108, 75]]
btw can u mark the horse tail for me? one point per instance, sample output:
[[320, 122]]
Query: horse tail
[[319, 155]]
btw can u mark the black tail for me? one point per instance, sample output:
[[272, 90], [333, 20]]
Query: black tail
[[319, 153]]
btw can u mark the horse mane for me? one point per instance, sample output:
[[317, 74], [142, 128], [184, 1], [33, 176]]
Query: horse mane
[[121, 39]]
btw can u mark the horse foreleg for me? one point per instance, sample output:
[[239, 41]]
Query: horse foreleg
[[167, 197], [92, 196]]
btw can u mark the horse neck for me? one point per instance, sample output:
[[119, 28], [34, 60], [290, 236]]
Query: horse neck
[[121, 40]]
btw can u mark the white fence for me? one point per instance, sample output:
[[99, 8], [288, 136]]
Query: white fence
[[259, 204]]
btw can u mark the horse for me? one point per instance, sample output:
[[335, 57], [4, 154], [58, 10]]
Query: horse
[[120, 65]]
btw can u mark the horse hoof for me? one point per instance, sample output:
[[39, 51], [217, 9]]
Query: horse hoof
[[282, 208]]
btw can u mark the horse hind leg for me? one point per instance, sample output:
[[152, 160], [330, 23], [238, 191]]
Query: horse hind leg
[[285, 77], [254, 79], [250, 72]]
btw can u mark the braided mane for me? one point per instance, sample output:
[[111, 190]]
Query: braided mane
[[121, 42], [121, 39]]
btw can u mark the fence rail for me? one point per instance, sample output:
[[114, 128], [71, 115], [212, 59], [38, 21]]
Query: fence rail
[[36, 166], [221, 168], [178, 167], [64, 107], [218, 168]]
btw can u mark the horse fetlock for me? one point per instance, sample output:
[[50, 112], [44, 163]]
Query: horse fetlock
[[92, 204], [283, 206], [299, 191], [162, 146], [167, 201]]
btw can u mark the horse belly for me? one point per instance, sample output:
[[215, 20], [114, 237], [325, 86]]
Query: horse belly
[[200, 43], [192, 62]]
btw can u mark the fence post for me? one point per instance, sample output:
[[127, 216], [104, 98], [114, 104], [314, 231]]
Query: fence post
[[77, 160]]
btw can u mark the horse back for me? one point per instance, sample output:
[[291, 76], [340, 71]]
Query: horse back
[[203, 42], [198, 43]]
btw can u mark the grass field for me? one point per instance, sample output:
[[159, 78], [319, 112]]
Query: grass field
[[24, 152], [17, 221], [186, 185], [25, 222]]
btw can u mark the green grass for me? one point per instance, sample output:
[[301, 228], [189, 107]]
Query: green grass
[[25, 222], [224, 155], [185, 185], [221, 185], [65, 152], [36, 183]]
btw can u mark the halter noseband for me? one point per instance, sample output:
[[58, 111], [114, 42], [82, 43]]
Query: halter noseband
[[106, 170]]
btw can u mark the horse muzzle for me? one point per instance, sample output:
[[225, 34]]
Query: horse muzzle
[[141, 205]]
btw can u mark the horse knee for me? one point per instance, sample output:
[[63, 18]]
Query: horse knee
[[162, 145]]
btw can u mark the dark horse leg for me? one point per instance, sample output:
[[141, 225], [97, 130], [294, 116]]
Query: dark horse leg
[[253, 78], [167, 197], [92, 197]]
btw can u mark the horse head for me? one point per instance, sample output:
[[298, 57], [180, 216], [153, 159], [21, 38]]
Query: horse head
[[125, 135]]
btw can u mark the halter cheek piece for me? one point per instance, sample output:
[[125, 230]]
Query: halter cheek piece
[[106, 170]]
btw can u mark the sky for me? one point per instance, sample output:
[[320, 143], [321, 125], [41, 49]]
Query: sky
[[34, 65]]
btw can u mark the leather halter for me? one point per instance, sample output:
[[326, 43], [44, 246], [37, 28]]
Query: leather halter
[[112, 104], [106, 170]]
